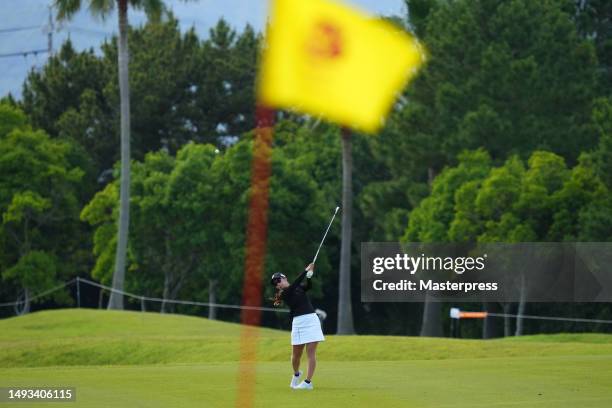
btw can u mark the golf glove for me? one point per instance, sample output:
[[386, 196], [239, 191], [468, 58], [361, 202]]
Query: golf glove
[[309, 274]]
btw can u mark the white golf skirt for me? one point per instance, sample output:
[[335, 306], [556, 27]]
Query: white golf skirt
[[306, 329]]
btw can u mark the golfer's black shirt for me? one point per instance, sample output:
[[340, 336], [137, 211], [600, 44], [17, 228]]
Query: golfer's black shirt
[[295, 297]]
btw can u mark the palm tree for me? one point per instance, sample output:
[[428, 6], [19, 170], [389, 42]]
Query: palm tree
[[431, 325], [102, 8], [345, 310]]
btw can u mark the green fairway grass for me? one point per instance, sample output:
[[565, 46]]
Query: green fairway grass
[[136, 359]]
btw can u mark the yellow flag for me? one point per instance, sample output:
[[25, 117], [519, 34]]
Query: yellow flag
[[330, 60]]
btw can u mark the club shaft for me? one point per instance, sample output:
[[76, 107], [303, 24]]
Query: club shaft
[[324, 235]]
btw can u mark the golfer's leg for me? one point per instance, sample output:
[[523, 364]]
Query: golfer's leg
[[296, 356], [311, 350]]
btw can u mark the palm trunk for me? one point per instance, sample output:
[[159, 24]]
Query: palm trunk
[[212, 299], [26, 304], [345, 311], [507, 320], [116, 299], [431, 325], [521, 307], [177, 284], [165, 294], [167, 270], [489, 326], [486, 323]]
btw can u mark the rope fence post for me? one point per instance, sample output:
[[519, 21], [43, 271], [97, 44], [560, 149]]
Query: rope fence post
[[78, 282]]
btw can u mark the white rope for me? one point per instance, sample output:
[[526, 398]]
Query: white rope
[[565, 319], [264, 309], [182, 302], [41, 294], [142, 298]]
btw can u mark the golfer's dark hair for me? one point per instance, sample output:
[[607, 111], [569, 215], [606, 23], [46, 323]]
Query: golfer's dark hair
[[277, 297]]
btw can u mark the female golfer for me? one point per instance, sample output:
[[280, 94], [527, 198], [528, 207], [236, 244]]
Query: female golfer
[[305, 327]]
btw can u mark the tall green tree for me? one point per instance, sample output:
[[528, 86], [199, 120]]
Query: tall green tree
[[602, 118], [164, 116], [594, 23], [224, 84], [501, 81], [59, 86], [189, 235], [189, 212], [596, 219], [495, 78], [153, 8], [539, 201], [430, 221], [208, 97], [39, 206], [11, 118], [297, 212]]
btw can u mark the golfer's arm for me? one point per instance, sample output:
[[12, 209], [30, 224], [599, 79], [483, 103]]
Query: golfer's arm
[[307, 285], [298, 280]]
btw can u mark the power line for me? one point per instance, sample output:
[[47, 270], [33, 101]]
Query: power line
[[15, 29], [50, 33], [88, 30], [49, 49], [24, 53]]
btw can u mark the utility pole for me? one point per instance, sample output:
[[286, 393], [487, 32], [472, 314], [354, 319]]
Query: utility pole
[[50, 32]]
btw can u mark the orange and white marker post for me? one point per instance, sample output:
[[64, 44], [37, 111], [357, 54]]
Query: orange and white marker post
[[456, 316]]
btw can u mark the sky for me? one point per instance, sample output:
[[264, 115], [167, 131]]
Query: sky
[[24, 27]]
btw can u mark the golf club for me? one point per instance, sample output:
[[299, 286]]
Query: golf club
[[324, 235]]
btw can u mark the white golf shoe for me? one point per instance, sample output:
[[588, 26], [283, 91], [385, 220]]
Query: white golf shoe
[[295, 380], [304, 386]]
